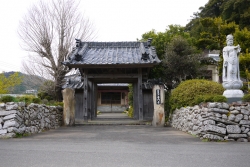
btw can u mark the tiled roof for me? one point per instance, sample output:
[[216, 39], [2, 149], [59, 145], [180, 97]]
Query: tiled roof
[[73, 81], [112, 53]]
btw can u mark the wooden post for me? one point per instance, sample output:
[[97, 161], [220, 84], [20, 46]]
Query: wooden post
[[95, 100], [135, 100], [90, 102], [85, 96], [140, 97]]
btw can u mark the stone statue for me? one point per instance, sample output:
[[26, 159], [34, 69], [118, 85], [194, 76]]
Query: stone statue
[[231, 73]]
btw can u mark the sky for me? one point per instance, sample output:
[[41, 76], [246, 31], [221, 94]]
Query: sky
[[114, 20]]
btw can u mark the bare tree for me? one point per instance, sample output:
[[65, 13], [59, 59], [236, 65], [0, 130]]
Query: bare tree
[[47, 32]]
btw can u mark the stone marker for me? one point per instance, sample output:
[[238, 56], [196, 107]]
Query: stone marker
[[68, 107], [158, 101]]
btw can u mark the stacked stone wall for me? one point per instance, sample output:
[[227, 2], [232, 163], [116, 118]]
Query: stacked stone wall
[[214, 121], [16, 118]]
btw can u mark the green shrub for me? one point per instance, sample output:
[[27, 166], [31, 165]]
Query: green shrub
[[220, 98], [44, 101], [130, 95], [167, 107], [246, 98], [7, 98], [210, 98], [44, 95], [26, 98], [189, 92], [58, 103], [36, 100], [131, 112], [52, 102]]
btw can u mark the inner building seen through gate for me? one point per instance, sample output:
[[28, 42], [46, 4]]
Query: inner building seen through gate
[[112, 98]]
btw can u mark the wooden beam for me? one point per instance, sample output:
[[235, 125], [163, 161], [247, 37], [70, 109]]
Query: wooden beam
[[85, 96], [140, 96], [135, 100], [95, 100], [112, 90], [112, 76]]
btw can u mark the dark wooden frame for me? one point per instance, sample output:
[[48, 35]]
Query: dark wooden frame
[[90, 92]]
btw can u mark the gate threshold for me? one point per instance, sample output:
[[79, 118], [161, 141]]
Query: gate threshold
[[112, 119]]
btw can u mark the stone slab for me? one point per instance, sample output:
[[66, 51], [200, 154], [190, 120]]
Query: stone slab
[[234, 112], [244, 111], [217, 110], [238, 117], [244, 122], [233, 129], [242, 140], [3, 131], [217, 134], [4, 113], [231, 117], [7, 117], [210, 122], [214, 128], [235, 136], [10, 123], [212, 137], [224, 121], [11, 107]]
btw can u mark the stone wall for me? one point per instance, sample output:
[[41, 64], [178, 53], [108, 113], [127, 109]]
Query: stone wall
[[16, 118], [215, 121]]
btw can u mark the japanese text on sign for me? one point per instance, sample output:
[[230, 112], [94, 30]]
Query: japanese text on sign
[[158, 96]]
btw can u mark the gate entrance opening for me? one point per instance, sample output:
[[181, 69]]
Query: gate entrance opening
[[111, 62], [112, 97]]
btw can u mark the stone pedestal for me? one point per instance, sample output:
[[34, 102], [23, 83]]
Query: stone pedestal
[[158, 100], [68, 107], [233, 95]]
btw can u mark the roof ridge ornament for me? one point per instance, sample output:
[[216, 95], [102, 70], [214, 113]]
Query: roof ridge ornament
[[78, 43], [144, 54], [149, 42]]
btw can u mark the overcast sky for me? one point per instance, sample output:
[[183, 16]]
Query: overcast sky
[[114, 20]]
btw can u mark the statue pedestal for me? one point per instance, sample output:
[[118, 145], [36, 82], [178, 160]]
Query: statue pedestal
[[233, 95]]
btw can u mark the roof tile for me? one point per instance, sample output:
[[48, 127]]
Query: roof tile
[[112, 53]]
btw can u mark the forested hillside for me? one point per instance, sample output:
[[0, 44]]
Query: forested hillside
[[28, 82], [218, 18], [237, 11]]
